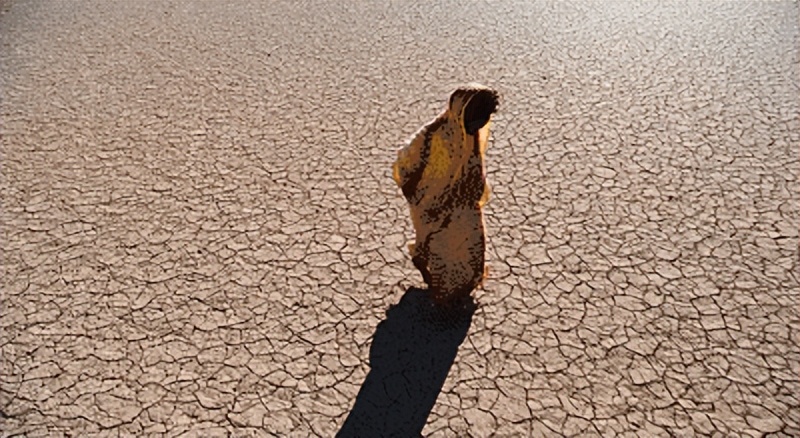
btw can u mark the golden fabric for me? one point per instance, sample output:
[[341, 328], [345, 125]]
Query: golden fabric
[[443, 177]]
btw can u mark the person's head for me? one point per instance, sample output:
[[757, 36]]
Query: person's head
[[472, 106]]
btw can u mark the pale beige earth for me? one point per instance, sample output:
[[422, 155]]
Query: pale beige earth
[[201, 235]]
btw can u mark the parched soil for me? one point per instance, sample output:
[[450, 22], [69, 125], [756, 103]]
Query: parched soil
[[201, 235]]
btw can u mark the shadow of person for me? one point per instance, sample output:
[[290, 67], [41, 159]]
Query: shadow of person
[[411, 353]]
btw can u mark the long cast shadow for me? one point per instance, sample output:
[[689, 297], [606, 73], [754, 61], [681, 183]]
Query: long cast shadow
[[411, 353]]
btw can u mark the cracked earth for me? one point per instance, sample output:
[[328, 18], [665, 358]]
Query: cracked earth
[[201, 235]]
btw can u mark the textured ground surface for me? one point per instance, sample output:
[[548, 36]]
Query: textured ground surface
[[200, 233]]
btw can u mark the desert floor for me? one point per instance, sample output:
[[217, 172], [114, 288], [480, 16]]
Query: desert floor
[[201, 235]]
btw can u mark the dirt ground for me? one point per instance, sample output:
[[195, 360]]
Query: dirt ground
[[201, 235]]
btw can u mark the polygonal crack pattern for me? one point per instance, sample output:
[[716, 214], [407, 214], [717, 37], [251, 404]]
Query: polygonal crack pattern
[[201, 234]]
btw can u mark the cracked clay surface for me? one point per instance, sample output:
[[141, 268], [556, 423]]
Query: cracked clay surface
[[201, 235]]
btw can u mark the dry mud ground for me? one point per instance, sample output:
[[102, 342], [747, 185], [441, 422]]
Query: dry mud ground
[[201, 237]]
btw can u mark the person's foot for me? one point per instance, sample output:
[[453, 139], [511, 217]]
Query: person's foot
[[422, 267], [452, 301]]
